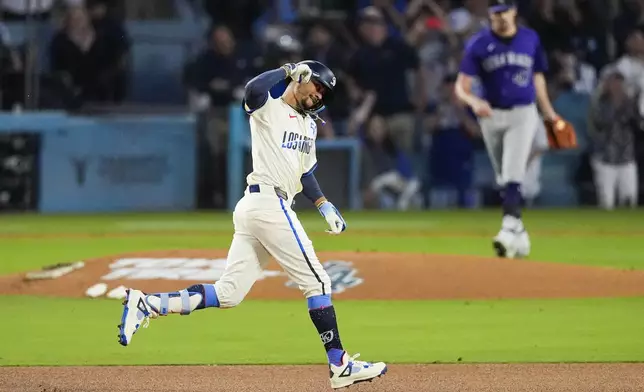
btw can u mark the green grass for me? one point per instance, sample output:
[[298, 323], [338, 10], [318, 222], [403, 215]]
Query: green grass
[[463, 221], [47, 331], [580, 236], [83, 332]]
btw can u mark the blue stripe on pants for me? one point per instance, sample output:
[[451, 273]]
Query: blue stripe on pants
[[299, 243]]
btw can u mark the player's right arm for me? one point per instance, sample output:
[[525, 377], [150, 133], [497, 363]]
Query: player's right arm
[[469, 69]]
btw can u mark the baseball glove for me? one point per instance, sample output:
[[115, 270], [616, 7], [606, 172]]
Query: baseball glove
[[561, 134]]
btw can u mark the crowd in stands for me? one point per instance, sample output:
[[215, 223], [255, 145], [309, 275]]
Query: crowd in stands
[[396, 62]]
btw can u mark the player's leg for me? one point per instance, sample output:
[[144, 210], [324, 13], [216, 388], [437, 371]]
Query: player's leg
[[288, 243], [627, 182], [532, 182], [517, 145], [244, 263], [605, 177], [492, 132]]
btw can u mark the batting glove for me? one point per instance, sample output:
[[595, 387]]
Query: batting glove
[[333, 218], [301, 73]]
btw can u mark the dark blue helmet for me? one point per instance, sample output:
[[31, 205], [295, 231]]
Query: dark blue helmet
[[497, 6], [325, 80]]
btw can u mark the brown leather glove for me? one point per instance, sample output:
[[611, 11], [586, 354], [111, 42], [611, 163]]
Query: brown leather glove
[[561, 134]]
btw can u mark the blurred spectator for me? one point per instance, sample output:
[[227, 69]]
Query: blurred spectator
[[322, 46], [437, 45], [451, 156], [16, 10], [581, 24], [386, 171], [239, 15], [388, 67], [466, 20], [218, 75], [11, 72], [629, 18], [110, 27], [631, 66], [393, 13], [556, 21], [582, 74], [593, 32], [614, 119], [90, 62], [568, 102]]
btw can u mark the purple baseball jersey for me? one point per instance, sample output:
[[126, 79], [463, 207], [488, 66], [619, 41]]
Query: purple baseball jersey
[[505, 67]]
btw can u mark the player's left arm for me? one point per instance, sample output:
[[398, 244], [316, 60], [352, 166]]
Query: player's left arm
[[540, 85], [311, 189]]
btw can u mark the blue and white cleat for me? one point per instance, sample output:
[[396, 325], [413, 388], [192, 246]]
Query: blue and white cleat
[[352, 371], [136, 313]]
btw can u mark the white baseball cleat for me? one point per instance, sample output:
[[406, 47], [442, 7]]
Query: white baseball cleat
[[352, 371], [505, 244], [522, 244], [136, 313]]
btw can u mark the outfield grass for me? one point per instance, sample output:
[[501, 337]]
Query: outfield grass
[[82, 331]]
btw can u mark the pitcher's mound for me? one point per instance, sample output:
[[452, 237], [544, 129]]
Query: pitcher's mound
[[373, 276]]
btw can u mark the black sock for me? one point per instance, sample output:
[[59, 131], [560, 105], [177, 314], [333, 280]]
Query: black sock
[[512, 200], [327, 326]]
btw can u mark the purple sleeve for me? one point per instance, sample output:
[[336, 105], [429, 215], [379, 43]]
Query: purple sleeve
[[540, 59], [469, 64]]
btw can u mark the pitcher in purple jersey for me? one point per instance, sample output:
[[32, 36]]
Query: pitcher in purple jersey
[[509, 63]]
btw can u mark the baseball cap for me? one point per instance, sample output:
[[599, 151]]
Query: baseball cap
[[371, 14], [500, 5]]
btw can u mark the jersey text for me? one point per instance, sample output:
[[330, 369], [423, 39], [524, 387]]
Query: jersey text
[[295, 141]]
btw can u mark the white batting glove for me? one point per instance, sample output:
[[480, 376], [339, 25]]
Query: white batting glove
[[301, 73], [333, 218]]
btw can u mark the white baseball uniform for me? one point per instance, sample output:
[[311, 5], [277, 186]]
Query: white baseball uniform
[[283, 149]]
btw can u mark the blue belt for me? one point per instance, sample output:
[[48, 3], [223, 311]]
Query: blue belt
[[254, 188]]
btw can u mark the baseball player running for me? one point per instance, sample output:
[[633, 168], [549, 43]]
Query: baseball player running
[[283, 133], [509, 63]]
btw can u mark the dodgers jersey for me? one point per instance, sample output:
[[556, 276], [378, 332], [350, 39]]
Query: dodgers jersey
[[505, 67], [282, 146]]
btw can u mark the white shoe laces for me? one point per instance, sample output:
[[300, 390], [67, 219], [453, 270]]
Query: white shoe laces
[[352, 359]]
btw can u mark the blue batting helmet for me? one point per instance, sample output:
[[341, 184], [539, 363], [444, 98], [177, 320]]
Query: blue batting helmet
[[324, 78]]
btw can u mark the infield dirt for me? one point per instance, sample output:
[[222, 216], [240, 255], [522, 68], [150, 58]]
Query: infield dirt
[[400, 378]]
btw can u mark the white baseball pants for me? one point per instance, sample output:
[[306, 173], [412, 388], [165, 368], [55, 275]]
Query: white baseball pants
[[265, 225], [508, 137]]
